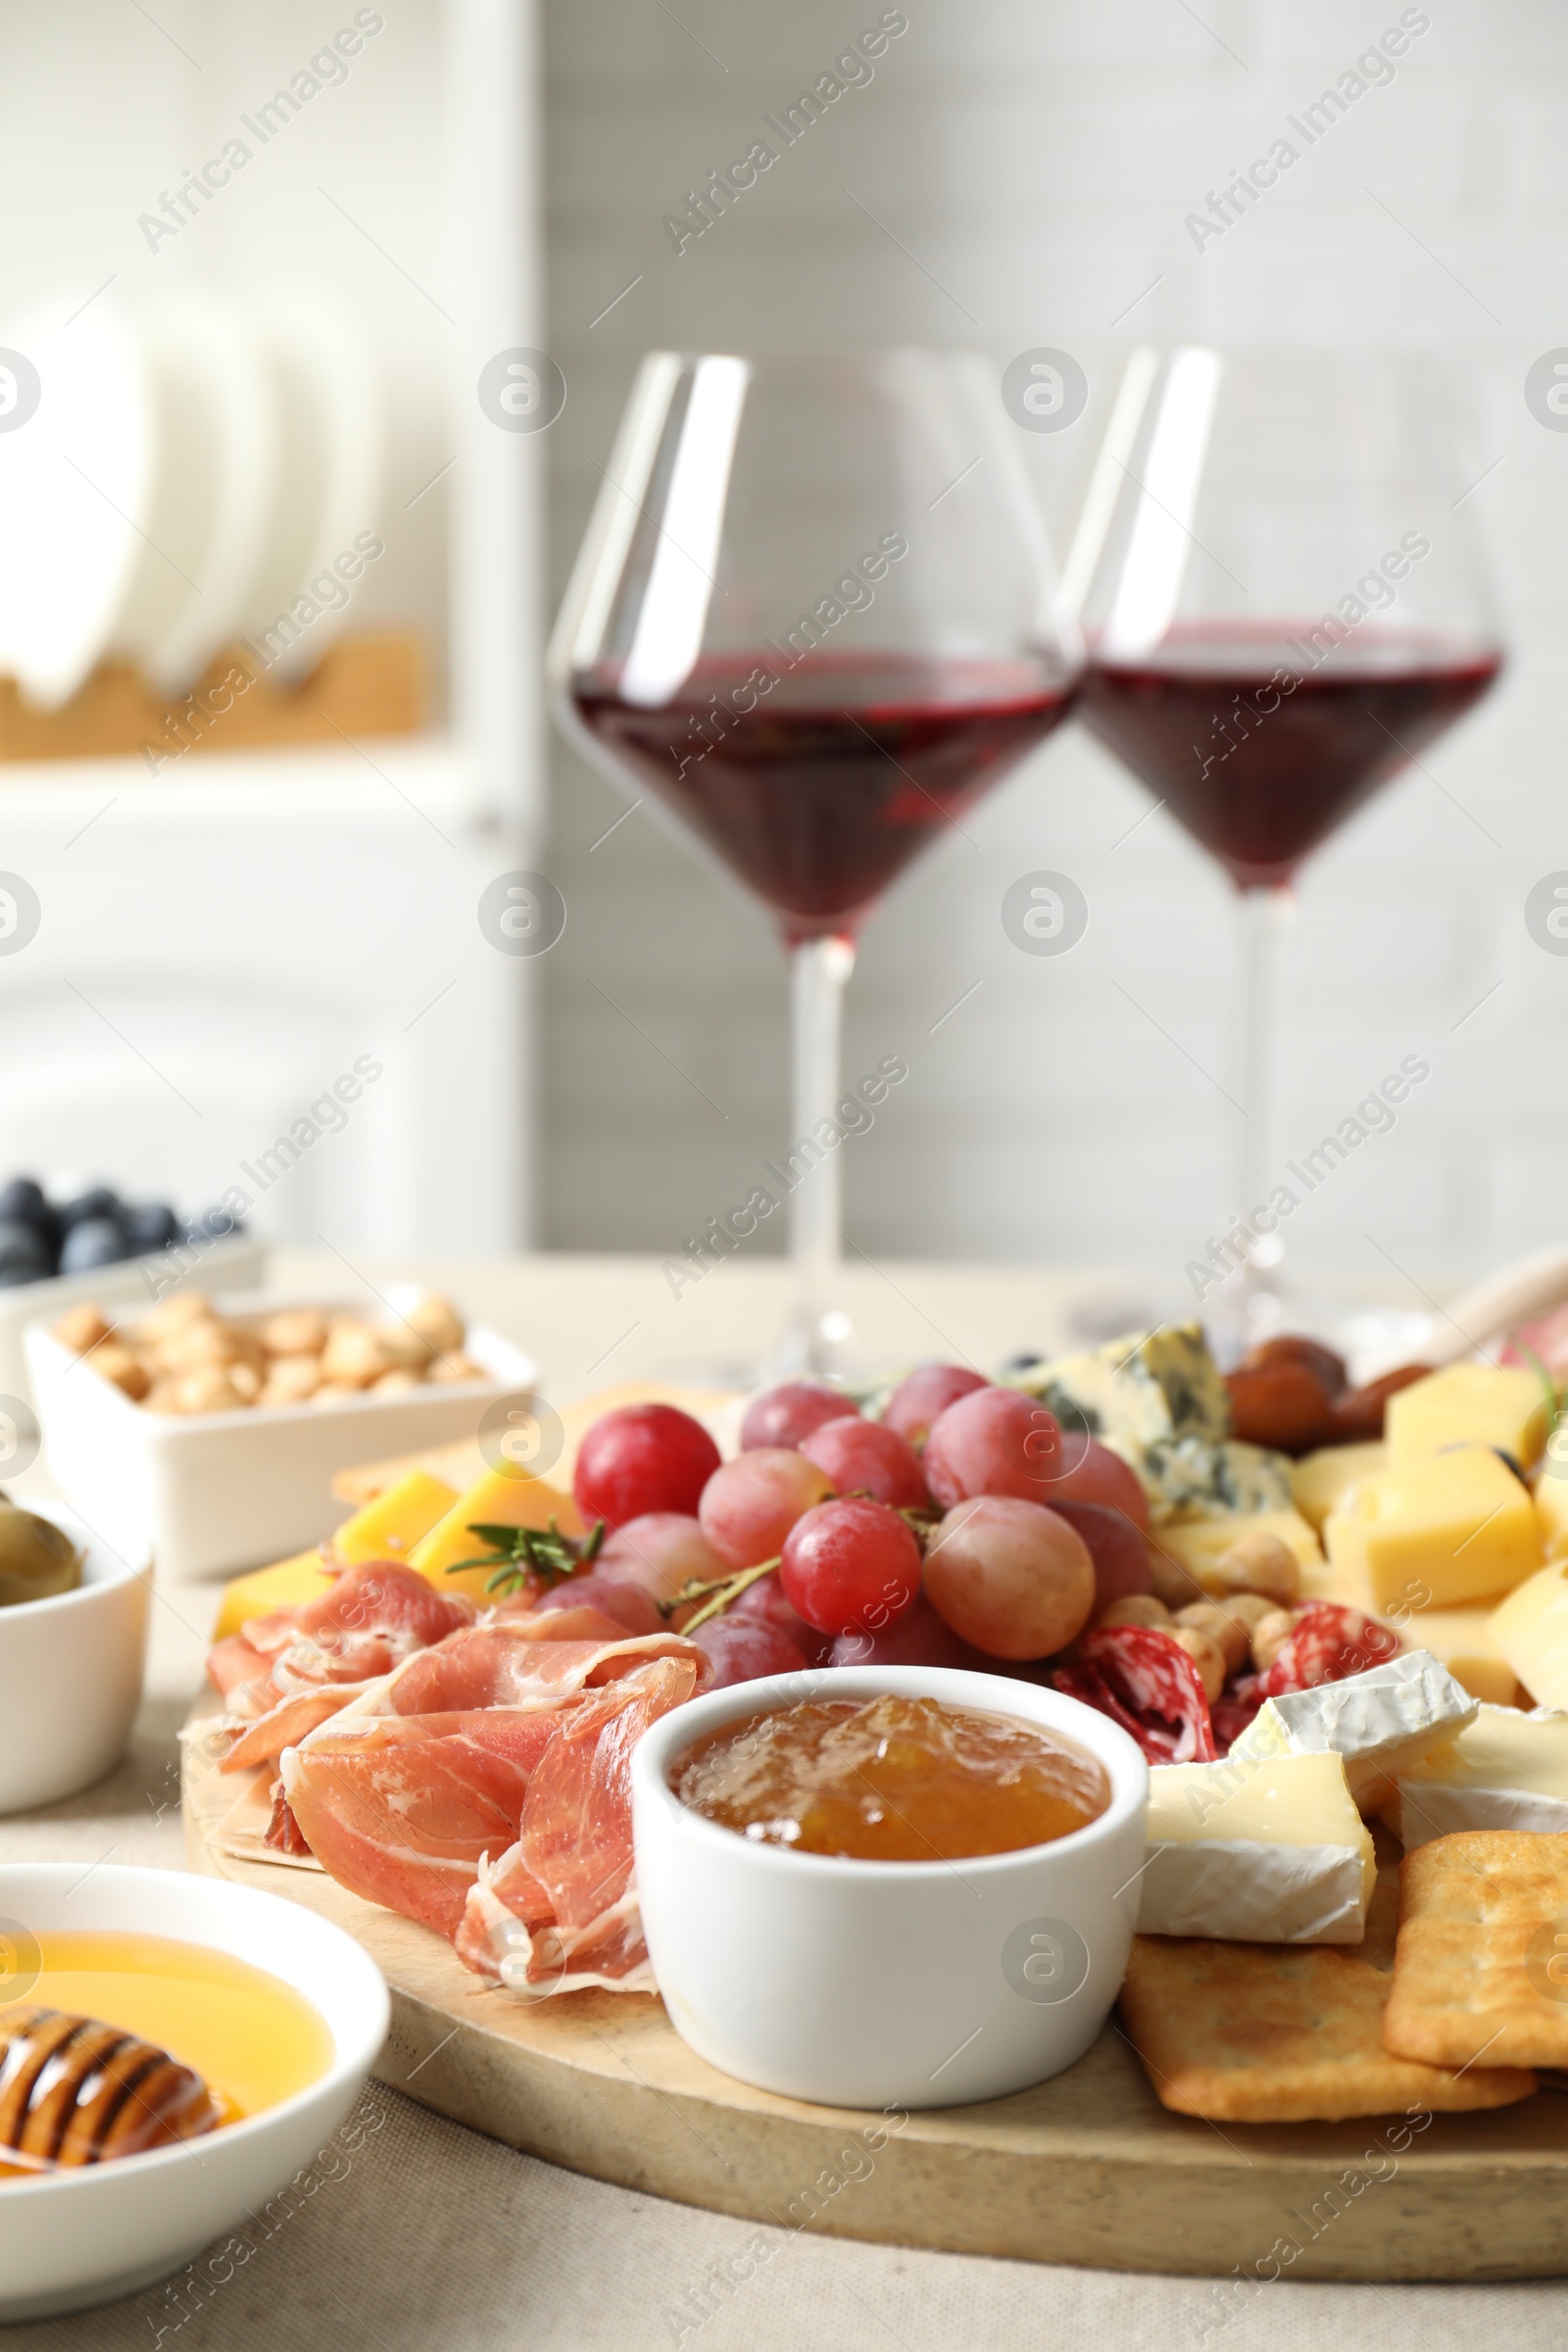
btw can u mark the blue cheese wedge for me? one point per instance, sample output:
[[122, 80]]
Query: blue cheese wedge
[[1505, 1771], [1160, 1401], [1376, 1722], [1256, 1851]]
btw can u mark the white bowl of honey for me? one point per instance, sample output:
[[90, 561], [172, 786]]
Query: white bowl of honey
[[173, 2051], [879, 1886]]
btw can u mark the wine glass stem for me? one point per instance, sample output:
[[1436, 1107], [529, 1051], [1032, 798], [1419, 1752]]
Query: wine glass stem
[[819, 971], [1265, 913]]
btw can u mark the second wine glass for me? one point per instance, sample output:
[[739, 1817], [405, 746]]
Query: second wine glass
[[811, 616], [1285, 610]]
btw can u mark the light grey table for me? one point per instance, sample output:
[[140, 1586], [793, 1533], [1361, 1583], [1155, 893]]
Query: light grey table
[[434, 2239]]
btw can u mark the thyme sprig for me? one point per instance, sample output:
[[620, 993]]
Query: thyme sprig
[[531, 1555], [715, 1598]]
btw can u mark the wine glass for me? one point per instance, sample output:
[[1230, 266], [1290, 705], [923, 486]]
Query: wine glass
[[1284, 608], [812, 617]]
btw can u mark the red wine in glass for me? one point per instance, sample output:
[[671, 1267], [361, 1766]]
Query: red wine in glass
[[1261, 745], [817, 782]]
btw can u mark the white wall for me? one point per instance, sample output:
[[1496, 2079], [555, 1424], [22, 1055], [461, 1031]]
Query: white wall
[[1032, 163]]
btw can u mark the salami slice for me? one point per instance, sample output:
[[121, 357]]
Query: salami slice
[[1330, 1641], [1152, 1687]]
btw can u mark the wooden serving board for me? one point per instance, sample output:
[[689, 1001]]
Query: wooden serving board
[[1085, 2169]]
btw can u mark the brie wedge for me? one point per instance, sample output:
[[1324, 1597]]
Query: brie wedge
[[1257, 1852], [1506, 1771], [1376, 1722]]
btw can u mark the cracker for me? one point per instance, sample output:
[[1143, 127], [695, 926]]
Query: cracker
[[1285, 2033], [1481, 1969]]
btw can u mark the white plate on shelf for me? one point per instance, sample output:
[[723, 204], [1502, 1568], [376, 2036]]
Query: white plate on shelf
[[217, 1493], [75, 492], [326, 388], [214, 488]]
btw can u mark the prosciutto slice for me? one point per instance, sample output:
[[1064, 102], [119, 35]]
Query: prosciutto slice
[[498, 1742], [559, 1910], [284, 1674], [401, 1809]]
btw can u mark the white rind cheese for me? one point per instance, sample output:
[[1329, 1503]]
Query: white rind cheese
[[1257, 1852], [1375, 1721], [1506, 1771], [1160, 1401], [1240, 1892]]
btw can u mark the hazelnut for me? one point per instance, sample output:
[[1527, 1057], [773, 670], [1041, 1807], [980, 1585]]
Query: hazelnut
[[354, 1354], [408, 1349], [81, 1328], [247, 1380], [1137, 1608], [290, 1378], [395, 1383], [113, 1361], [173, 1315], [295, 1331], [1260, 1563], [205, 1343], [437, 1321], [1175, 1584], [1227, 1632], [333, 1391], [450, 1368], [1270, 1637], [1206, 1656], [207, 1390]]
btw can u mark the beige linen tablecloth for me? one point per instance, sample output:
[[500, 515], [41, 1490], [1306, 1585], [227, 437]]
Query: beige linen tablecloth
[[430, 2238]]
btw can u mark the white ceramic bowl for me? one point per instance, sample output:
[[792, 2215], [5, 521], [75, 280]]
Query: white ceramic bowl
[[215, 1492], [71, 1674], [79, 2237], [887, 1983]]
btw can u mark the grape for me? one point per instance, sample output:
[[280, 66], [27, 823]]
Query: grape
[[642, 1459], [994, 1441], [661, 1552], [919, 1638], [1119, 1551], [1011, 1577], [1089, 1472], [748, 1506], [916, 1401], [858, 1453], [743, 1648], [787, 1415], [765, 1601], [850, 1565], [630, 1605]]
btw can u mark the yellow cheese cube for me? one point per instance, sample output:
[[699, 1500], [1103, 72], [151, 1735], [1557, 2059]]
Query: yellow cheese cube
[[1196, 1544], [1493, 1404], [1432, 1534], [1321, 1480], [495, 1499], [1531, 1630], [1551, 1508], [284, 1585], [389, 1527]]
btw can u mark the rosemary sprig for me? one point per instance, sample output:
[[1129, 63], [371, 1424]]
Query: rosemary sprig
[[523, 1555], [715, 1598]]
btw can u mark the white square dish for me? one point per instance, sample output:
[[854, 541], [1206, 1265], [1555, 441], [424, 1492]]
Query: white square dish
[[217, 1493]]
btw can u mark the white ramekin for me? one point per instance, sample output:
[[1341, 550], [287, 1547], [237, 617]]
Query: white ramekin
[[70, 1673], [79, 2237], [880, 1984]]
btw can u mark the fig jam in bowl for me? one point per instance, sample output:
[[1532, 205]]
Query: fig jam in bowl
[[800, 1947]]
